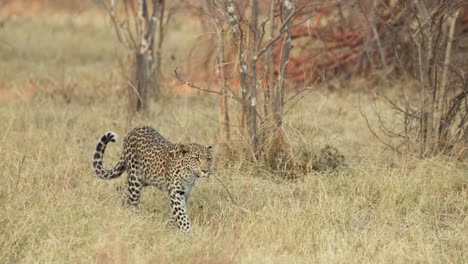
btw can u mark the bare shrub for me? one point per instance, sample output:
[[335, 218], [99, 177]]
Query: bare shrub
[[279, 153], [292, 162], [249, 54], [139, 26], [434, 119]]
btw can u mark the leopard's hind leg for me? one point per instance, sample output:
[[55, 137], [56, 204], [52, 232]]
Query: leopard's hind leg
[[135, 185]]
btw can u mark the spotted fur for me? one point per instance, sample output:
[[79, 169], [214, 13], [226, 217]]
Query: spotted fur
[[150, 159]]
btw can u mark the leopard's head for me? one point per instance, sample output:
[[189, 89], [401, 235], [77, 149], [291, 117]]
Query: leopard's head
[[196, 158]]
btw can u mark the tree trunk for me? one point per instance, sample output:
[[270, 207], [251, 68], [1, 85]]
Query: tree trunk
[[279, 96], [223, 102], [237, 35], [253, 35], [136, 32], [158, 52], [217, 26], [269, 65], [140, 83]]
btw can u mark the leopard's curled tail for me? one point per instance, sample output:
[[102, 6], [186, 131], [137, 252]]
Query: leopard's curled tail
[[99, 155]]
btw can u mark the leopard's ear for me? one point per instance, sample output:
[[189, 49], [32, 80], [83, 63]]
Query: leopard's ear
[[183, 148]]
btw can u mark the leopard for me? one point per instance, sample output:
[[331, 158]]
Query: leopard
[[152, 160]]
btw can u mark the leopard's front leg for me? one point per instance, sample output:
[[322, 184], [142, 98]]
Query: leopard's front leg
[[178, 209]]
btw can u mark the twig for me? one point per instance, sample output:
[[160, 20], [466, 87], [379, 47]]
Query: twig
[[136, 91], [409, 111], [282, 30], [280, 34], [110, 11], [232, 199], [214, 119], [372, 130], [192, 85], [225, 188], [308, 89], [19, 171]]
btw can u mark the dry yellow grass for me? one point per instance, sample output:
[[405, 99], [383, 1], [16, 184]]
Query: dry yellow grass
[[53, 209], [379, 209]]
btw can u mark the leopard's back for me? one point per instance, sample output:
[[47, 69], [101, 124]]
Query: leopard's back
[[146, 150]]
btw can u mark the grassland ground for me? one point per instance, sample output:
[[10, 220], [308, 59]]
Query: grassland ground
[[380, 208]]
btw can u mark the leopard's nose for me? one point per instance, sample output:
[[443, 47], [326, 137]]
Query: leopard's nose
[[204, 171]]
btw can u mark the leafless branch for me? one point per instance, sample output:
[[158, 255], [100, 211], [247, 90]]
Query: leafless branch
[[194, 86], [227, 190], [302, 93], [110, 9], [372, 130], [282, 30], [135, 90]]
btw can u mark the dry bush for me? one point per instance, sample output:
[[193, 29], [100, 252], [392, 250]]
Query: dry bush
[[290, 160], [432, 110], [279, 155], [329, 158]]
